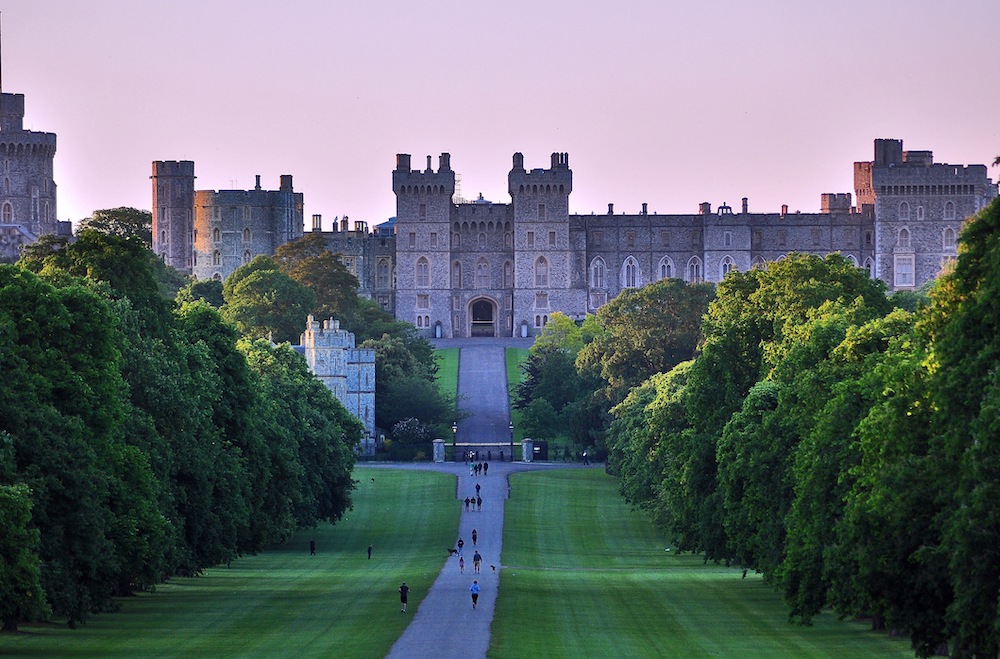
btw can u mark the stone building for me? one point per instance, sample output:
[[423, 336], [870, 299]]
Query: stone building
[[348, 371], [27, 191], [484, 269], [210, 233]]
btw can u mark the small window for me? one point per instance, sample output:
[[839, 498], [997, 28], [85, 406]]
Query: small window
[[216, 257], [727, 238], [904, 211], [598, 238], [423, 301], [630, 239], [482, 241], [920, 212], [903, 239], [541, 272], [665, 238], [423, 273], [216, 235], [247, 257], [246, 235], [508, 274], [412, 240], [552, 238], [541, 211], [423, 210], [949, 210], [531, 240], [949, 238], [456, 275], [434, 239], [541, 300], [482, 274]]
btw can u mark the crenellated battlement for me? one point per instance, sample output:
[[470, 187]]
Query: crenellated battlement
[[407, 181], [557, 179]]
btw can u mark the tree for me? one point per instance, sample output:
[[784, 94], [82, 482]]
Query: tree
[[209, 290], [21, 593], [646, 331], [308, 262], [262, 301], [123, 222]]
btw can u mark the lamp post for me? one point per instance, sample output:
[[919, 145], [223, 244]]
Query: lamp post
[[454, 438], [510, 427]]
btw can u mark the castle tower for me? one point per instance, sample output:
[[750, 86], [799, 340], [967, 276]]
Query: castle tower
[[173, 208], [348, 372], [423, 236], [548, 272], [27, 191]]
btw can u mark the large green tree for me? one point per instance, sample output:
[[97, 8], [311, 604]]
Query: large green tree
[[262, 301], [308, 262], [123, 222]]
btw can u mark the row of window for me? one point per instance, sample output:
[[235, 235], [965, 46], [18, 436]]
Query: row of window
[[904, 211], [926, 189], [947, 238], [8, 211]]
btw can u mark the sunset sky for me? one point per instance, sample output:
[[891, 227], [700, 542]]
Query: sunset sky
[[662, 102]]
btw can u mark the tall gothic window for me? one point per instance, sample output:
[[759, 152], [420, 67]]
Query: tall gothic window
[[949, 210], [904, 211], [216, 257], [630, 273], [541, 272], [727, 266], [665, 269], [482, 274], [597, 270], [456, 275], [904, 238], [694, 270], [949, 238], [423, 273], [8, 212]]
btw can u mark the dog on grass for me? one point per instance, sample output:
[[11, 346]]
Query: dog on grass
[[452, 552], [494, 568]]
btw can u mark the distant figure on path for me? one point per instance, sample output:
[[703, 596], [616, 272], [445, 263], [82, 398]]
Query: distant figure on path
[[474, 589], [461, 565], [312, 547], [369, 552], [586, 461], [466, 504], [486, 468], [489, 454], [475, 536], [461, 543], [479, 503], [501, 456], [403, 592], [477, 560], [477, 489]]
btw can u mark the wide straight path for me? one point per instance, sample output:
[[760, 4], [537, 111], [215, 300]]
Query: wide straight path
[[445, 624]]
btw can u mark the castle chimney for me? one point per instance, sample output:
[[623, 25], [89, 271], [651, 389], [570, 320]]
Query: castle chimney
[[317, 222], [336, 224], [344, 226], [644, 209], [784, 210], [555, 160], [429, 164], [518, 162], [705, 208], [402, 162], [444, 163], [286, 182], [744, 205], [258, 182], [611, 209]]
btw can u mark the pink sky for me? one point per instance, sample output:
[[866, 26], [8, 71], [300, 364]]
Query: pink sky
[[661, 102]]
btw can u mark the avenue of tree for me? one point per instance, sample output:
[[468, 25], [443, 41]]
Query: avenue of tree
[[800, 423], [143, 436]]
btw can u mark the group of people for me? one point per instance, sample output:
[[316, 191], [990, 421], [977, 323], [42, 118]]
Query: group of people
[[478, 468]]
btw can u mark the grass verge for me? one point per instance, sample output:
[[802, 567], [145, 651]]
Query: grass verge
[[284, 602], [447, 361], [585, 576], [515, 357]]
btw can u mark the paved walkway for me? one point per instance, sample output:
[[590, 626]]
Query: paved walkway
[[445, 624]]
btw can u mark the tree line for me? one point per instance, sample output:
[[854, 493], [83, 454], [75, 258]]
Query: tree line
[[143, 437], [800, 423]]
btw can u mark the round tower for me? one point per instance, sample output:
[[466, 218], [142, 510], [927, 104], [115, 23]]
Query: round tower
[[27, 191]]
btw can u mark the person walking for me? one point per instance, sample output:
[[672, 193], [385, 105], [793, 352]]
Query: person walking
[[477, 489], [461, 543], [369, 552], [474, 589], [461, 565], [486, 468], [404, 590], [475, 537], [477, 561], [466, 504], [479, 503], [312, 547]]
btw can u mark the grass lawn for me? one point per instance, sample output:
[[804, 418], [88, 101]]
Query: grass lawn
[[447, 361], [585, 576], [515, 357], [283, 602]]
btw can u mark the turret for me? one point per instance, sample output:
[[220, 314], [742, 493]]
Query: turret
[[173, 208]]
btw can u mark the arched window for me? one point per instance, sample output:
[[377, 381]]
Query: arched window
[[456, 275], [694, 270], [482, 274], [726, 266], [216, 234], [665, 269], [541, 272], [904, 238], [759, 263], [423, 273], [456, 239], [508, 239], [904, 211], [597, 270], [8, 212], [508, 274], [246, 256], [630, 273], [383, 274], [163, 235], [216, 257], [949, 238], [420, 321], [870, 268], [482, 241], [920, 212], [246, 235], [217, 276], [949, 210]]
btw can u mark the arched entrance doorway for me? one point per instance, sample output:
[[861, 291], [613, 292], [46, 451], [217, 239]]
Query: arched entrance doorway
[[484, 315]]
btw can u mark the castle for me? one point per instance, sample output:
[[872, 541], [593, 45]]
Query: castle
[[460, 269], [349, 372], [27, 191]]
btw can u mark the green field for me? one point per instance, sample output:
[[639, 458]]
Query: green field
[[515, 357], [283, 602], [585, 576], [447, 361]]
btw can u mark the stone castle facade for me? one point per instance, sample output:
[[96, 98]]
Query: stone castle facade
[[458, 269], [210, 233], [349, 372], [27, 190]]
